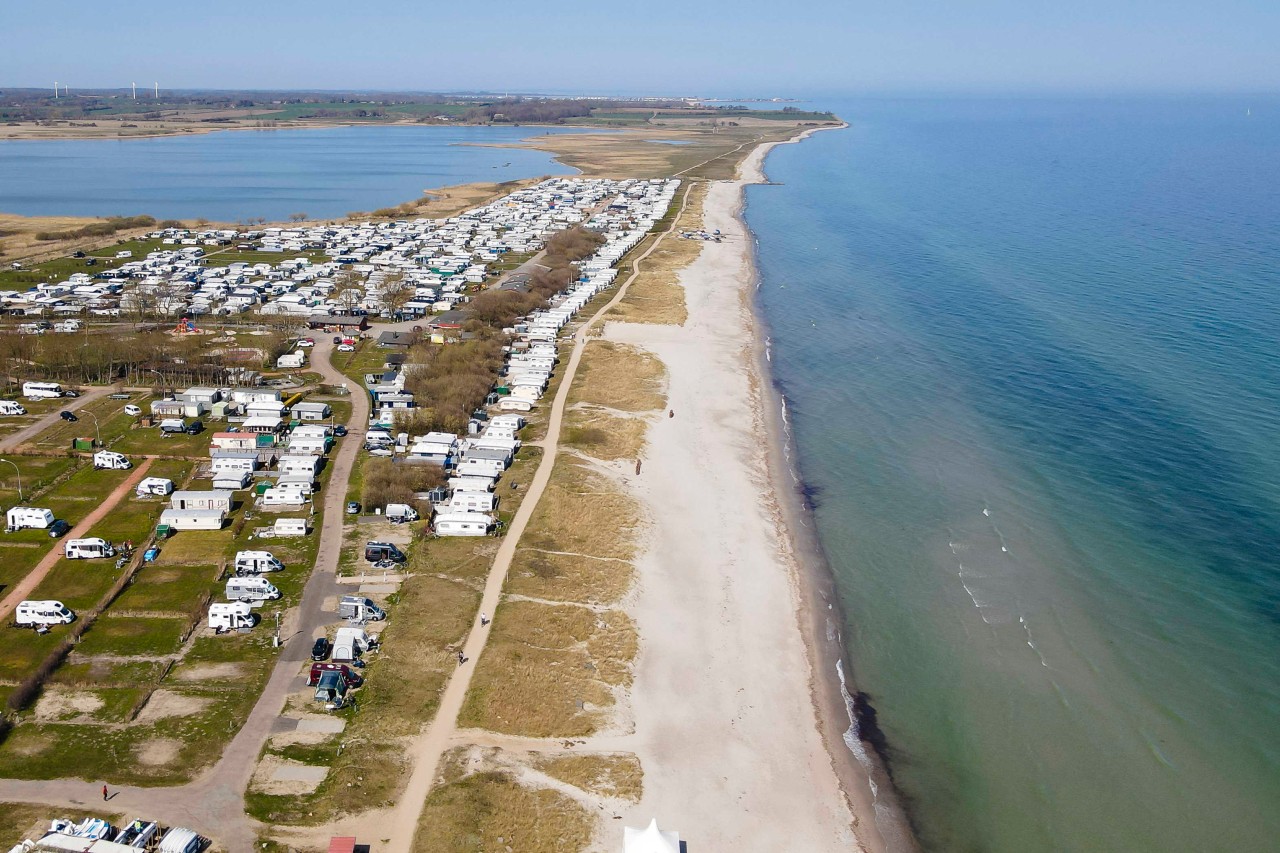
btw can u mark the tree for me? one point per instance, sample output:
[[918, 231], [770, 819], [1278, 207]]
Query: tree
[[394, 293], [348, 289], [298, 217]]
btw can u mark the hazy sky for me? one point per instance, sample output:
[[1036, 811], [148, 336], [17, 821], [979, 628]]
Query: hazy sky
[[746, 47]]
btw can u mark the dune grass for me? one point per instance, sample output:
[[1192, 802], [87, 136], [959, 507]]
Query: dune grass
[[618, 376], [614, 774], [656, 295]]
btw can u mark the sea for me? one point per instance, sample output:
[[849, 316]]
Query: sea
[[238, 176], [1030, 355]]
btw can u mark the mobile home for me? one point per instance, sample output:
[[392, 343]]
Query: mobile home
[[290, 527], [231, 480], [219, 499], [193, 519], [470, 502], [282, 497]]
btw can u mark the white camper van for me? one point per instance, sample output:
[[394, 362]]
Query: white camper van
[[256, 563], [231, 616], [87, 549], [154, 486], [360, 609], [112, 460], [32, 614], [401, 513], [251, 589], [11, 407], [23, 517]]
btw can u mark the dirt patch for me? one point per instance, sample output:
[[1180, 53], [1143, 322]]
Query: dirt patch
[[277, 775], [158, 751], [165, 703], [60, 705], [210, 672]]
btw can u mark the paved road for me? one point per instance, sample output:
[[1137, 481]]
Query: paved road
[[70, 404], [213, 804]]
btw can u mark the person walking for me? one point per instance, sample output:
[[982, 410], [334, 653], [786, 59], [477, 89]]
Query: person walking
[[104, 793], [484, 620]]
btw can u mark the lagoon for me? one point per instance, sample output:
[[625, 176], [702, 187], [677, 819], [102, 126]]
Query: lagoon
[[234, 176]]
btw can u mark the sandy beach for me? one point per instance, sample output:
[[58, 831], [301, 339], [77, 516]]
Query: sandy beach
[[726, 702]]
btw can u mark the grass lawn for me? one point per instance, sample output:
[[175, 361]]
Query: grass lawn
[[20, 821], [22, 650], [79, 584], [149, 441], [132, 635], [167, 589], [16, 562], [37, 473]]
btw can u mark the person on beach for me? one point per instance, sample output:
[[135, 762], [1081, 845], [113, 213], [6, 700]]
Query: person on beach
[[637, 466], [104, 793], [671, 414]]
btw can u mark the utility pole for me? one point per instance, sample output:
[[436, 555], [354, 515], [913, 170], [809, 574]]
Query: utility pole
[[19, 470]]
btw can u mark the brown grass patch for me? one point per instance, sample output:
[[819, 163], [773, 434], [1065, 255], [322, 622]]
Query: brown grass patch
[[583, 512], [568, 577], [616, 774], [548, 670], [656, 295], [604, 436], [619, 376], [492, 812], [158, 751]]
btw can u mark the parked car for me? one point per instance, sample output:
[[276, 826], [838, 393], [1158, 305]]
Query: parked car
[[71, 392], [307, 342], [353, 507], [339, 430], [194, 428], [58, 529], [69, 417], [320, 651], [337, 339], [346, 348]]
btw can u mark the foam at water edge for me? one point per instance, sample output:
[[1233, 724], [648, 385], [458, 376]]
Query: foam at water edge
[[852, 735]]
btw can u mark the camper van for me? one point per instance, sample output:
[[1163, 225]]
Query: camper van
[[377, 551], [463, 524], [360, 609], [11, 407], [350, 643], [290, 527], [133, 411], [87, 549], [231, 616], [154, 486], [32, 614], [401, 513], [112, 460], [251, 589], [23, 517], [41, 390], [256, 563]]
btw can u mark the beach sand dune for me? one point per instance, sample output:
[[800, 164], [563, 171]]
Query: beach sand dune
[[725, 723]]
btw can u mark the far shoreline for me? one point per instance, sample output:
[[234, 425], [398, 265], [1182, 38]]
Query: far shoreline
[[864, 777]]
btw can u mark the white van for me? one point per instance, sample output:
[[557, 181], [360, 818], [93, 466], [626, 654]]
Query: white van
[[154, 486], [12, 407], [231, 616], [112, 460], [87, 549], [400, 513], [31, 614], [23, 517], [132, 411], [251, 589], [256, 563]]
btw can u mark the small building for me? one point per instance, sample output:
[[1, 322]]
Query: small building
[[207, 396], [168, 408], [234, 441], [263, 425], [311, 411], [218, 499], [264, 409], [192, 519], [399, 340], [356, 321]]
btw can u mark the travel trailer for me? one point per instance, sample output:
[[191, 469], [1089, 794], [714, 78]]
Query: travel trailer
[[360, 609], [11, 407], [154, 486], [290, 527], [251, 589], [256, 563], [109, 459], [33, 614], [471, 502], [23, 517], [463, 524], [472, 467], [87, 549], [231, 616]]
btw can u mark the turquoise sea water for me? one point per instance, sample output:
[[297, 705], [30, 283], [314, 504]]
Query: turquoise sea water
[[1031, 356], [238, 175]]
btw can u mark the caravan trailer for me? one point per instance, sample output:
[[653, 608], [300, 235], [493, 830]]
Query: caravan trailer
[[463, 524], [154, 486], [87, 549], [23, 517], [282, 497], [463, 501]]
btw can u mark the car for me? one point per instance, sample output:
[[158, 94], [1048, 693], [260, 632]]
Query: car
[[307, 342], [353, 507], [339, 430], [320, 651], [121, 395], [69, 417], [132, 410], [346, 348], [71, 392], [58, 529], [337, 339], [194, 428]]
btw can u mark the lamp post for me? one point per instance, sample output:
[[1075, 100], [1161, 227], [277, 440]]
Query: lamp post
[[97, 432], [19, 470]]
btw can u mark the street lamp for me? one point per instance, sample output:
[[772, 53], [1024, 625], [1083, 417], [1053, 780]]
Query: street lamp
[[97, 432], [19, 470]]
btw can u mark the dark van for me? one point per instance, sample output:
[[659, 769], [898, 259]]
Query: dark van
[[376, 552]]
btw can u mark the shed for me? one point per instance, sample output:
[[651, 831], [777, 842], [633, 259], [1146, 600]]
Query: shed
[[397, 339], [187, 499], [192, 519], [311, 411]]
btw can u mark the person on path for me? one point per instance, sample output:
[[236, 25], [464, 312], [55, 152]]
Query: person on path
[[461, 659], [484, 620], [104, 793]]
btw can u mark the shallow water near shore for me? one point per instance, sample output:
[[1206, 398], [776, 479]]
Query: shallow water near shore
[[232, 176], [1029, 353]]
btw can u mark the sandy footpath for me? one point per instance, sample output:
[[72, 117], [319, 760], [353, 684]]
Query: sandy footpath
[[725, 722]]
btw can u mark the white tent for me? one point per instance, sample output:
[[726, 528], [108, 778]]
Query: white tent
[[650, 839]]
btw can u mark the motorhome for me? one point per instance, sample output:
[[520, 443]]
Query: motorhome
[[462, 524], [401, 513], [32, 614], [231, 616], [251, 589], [360, 609], [154, 486], [23, 517], [87, 549], [109, 459], [12, 407], [256, 563], [41, 390], [290, 527]]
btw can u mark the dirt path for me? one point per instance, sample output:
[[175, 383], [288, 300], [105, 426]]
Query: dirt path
[[36, 575], [45, 421], [439, 736]]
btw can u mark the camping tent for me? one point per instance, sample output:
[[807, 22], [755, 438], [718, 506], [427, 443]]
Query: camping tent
[[650, 839]]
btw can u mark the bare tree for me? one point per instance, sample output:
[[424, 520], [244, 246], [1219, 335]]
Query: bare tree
[[394, 293], [298, 217]]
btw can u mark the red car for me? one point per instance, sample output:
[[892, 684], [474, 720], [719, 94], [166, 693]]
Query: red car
[[354, 678]]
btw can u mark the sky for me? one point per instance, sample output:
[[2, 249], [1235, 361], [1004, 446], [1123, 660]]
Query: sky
[[706, 48]]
